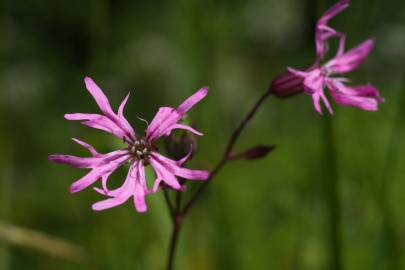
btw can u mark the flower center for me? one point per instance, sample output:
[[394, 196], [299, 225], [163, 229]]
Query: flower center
[[326, 71], [140, 150]]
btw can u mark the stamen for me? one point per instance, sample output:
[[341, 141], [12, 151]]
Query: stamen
[[140, 150]]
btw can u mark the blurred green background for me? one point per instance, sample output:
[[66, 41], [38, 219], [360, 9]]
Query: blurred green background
[[266, 214]]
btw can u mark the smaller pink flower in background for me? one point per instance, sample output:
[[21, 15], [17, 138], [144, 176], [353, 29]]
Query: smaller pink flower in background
[[140, 151], [320, 76]]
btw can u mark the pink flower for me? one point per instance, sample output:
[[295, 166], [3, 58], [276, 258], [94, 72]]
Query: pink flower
[[321, 75], [140, 151]]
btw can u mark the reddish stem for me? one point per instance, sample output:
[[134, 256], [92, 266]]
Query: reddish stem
[[179, 214], [228, 150]]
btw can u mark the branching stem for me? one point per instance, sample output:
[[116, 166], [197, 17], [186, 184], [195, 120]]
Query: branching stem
[[178, 213]]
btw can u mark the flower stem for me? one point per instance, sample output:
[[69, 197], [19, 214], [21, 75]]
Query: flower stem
[[168, 202], [173, 243], [177, 219], [228, 150], [332, 193], [179, 214]]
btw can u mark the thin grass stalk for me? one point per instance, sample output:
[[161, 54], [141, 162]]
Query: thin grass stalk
[[331, 179], [391, 247], [5, 195], [329, 165]]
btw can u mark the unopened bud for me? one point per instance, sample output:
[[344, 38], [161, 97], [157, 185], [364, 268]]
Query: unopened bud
[[178, 143], [259, 151], [256, 152], [286, 84]]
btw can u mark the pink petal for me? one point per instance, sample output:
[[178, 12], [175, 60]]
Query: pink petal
[[317, 104], [364, 103], [98, 96], [166, 118], [191, 174], [365, 97], [99, 122], [88, 162], [164, 173], [134, 185], [317, 97], [123, 122], [314, 83], [121, 194], [323, 31], [186, 157], [111, 202], [140, 190], [341, 48], [174, 168], [105, 190], [110, 122], [78, 162], [86, 145], [122, 106], [297, 72], [185, 127], [191, 101], [162, 123], [351, 59], [325, 101], [157, 182], [333, 11], [97, 173]]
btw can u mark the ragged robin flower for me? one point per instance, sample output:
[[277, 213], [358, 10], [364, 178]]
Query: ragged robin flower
[[326, 74], [140, 151]]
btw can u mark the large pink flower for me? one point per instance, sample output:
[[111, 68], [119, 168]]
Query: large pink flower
[[140, 151], [322, 75]]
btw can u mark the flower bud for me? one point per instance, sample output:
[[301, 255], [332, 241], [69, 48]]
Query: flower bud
[[256, 152], [259, 151], [286, 84], [178, 143]]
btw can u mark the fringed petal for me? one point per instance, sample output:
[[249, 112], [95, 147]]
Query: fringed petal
[[166, 118], [350, 60]]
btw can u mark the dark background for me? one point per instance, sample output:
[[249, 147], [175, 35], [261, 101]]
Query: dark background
[[266, 214]]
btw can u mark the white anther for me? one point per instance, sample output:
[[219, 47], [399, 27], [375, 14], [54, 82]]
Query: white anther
[[139, 153]]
